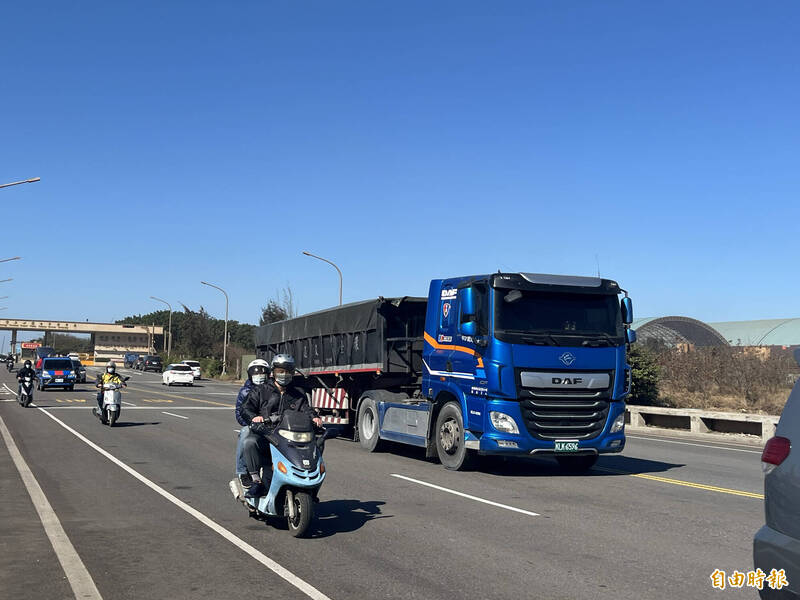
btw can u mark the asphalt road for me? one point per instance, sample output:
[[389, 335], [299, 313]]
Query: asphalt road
[[147, 509]]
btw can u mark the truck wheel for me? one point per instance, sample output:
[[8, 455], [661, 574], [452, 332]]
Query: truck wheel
[[450, 444], [577, 464], [368, 425]]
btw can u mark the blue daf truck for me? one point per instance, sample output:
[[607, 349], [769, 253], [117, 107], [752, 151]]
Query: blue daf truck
[[515, 364]]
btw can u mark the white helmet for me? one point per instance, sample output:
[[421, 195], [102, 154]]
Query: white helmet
[[258, 370]]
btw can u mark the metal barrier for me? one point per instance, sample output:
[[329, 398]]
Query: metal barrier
[[700, 421]]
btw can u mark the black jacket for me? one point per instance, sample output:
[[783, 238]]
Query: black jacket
[[266, 400], [23, 372]]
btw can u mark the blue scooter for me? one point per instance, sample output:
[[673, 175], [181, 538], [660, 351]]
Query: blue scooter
[[297, 473]]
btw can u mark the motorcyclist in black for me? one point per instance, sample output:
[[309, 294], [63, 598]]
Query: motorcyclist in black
[[25, 371], [262, 410]]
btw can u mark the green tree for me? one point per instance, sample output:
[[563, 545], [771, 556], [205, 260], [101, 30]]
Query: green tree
[[279, 309], [644, 375]]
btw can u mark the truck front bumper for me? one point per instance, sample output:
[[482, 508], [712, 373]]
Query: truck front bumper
[[492, 441]]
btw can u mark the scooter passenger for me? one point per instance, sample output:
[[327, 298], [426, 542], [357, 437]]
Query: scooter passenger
[[257, 373]]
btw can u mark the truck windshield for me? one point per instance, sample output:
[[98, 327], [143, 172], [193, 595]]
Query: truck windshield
[[557, 319]]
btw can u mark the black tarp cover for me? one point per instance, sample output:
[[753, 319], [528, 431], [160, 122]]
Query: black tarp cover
[[351, 336]]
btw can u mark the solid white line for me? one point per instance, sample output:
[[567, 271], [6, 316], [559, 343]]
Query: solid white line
[[78, 576], [463, 495], [173, 415], [9, 389], [127, 403], [653, 439], [276, 568]]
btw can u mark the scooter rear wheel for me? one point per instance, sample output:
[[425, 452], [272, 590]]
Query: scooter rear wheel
[[304, 513]]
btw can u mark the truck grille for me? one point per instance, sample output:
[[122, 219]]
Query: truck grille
[[551, 414]]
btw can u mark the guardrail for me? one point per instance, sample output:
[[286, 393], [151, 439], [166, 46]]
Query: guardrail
[[697, 420]]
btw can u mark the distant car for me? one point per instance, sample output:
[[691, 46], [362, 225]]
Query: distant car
[[137, 364], [80, 371], [57, 372], [777, 544], [178, 373], [129, 359], [195, 365], [152, 363]]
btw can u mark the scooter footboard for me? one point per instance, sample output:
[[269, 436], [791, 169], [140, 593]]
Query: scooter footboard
[[286, 475]]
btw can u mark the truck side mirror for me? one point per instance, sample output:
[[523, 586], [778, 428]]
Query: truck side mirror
[[630, 335], [468, 321], [469, 328], [626, 304]]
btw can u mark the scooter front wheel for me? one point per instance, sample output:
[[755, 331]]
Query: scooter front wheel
[[112, 417], [303, 514]]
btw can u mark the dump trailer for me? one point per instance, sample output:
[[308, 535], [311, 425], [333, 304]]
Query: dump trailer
[[514, 364]]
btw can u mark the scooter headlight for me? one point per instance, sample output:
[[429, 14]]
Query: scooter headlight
[[301, 437]]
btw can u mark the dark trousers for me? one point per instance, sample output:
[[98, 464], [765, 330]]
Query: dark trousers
[[257, 454]]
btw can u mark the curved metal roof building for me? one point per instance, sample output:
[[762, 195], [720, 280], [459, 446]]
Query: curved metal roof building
[[678, 330], [764, 332]]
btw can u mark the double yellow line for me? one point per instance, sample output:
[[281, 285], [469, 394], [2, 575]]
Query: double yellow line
[[699, 486]]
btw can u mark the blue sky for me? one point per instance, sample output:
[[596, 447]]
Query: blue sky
[[180, 141]]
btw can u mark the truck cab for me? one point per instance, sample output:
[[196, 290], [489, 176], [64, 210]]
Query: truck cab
[[530, 364]]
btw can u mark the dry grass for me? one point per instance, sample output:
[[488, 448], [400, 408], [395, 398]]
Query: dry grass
[[729, 379]]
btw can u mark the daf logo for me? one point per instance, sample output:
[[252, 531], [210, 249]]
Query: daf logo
[[567, 358]]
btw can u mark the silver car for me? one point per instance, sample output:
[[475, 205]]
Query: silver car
[[777, 544]]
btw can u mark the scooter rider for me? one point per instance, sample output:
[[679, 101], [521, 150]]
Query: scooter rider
[[25, 371], [257, 372], [262, 409], [110, 376]]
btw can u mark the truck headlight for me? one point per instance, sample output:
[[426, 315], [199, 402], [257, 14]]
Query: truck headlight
[[619, 423], [302, 437], [503, 422]]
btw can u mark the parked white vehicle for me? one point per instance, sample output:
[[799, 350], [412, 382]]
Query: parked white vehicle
[[195, 365], [178, 373]]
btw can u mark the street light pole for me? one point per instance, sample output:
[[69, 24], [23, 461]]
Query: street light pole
[[338, 270], [8, 259], [169, 327], [34, 180], [225, 335], [9, 279]]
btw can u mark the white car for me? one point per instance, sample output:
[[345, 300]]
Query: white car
[[178, 373], [195, 367]]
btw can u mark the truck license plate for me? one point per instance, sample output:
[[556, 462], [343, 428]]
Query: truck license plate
[[566, 446]]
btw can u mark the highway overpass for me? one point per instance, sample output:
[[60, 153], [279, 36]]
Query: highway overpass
[[110, 340]]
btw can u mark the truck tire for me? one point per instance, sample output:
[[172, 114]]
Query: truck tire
[[368, 425], [449, 436], [577, 464]]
